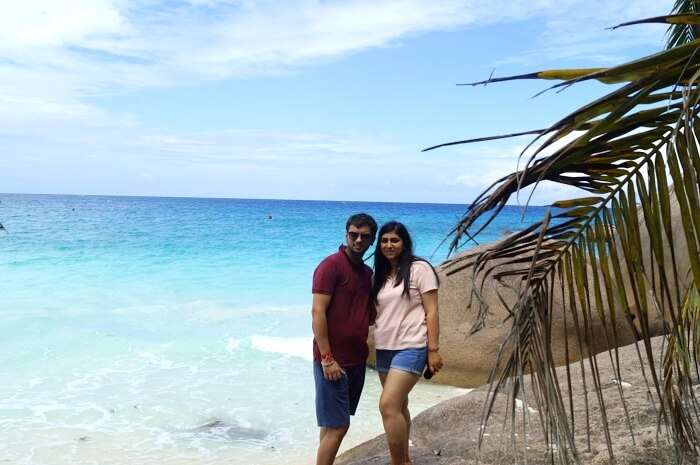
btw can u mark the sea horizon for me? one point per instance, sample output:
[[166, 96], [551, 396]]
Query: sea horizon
[[464, 204]]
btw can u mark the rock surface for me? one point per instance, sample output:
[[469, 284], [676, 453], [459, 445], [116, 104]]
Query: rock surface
[[232, 431], [469, 359], [447, 434]]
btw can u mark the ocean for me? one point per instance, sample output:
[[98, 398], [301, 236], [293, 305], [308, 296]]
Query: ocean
[[138, 330]]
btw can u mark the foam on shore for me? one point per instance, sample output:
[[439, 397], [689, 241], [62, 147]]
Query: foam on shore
[[286, 346]]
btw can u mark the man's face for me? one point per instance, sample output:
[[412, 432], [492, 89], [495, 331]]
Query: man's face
[[359, 238]]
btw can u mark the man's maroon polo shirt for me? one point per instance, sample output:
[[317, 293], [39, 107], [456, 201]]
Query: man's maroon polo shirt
[[349, 286]]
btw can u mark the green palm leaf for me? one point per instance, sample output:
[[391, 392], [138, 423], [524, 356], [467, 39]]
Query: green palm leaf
[[682, 33], [630, 247]]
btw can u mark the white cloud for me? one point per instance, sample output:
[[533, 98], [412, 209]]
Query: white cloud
[[36, 23], [497, 159], [494, 161], [261, 146], [54, 55], [577, 31], [57, 53], [98, 45]]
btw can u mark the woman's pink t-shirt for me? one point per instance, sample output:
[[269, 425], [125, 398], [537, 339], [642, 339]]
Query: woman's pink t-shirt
[[400, 320]]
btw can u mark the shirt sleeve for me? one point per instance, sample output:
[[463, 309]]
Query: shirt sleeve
[[425, 278], [325, 278]]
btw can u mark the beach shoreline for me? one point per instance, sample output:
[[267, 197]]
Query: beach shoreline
[[90, 433]]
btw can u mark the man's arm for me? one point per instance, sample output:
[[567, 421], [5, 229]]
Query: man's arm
[[331, 370]]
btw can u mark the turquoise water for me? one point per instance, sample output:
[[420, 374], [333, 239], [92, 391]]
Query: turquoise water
[[128, 324]]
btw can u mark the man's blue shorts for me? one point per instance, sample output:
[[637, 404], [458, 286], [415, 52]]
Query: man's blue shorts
[[410, 360], [337, 400]]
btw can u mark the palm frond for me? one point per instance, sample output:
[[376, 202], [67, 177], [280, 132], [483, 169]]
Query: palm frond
[[631, 247], [627, 72], [683, 32], [552, 74]]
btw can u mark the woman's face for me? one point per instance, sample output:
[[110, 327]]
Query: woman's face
[[391, 245]]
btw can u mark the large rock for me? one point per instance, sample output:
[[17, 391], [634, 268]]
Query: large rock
[[469, 358], [447, 434]]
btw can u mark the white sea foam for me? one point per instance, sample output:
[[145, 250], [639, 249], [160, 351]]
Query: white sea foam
[[208, 311], [202, 311], [233, 344], [288, 346], [34, 382]]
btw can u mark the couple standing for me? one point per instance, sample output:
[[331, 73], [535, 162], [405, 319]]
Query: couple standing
[[401, 301]]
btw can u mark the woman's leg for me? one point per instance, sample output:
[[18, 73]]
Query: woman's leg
[[406, 415], [393, 405], [407, 418]]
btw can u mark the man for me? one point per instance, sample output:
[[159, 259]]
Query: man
[[340, 321]]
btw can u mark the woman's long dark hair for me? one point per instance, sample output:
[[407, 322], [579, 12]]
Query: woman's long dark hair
[[382, 265]]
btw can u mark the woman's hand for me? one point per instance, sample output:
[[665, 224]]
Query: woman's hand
[[434, 361]]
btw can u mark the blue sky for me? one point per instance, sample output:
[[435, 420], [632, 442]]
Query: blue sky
[[290, 99]]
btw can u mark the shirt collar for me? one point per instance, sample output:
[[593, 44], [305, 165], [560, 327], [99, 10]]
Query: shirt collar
[[341, 250]]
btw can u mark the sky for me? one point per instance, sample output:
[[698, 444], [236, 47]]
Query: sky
[[291, 99]]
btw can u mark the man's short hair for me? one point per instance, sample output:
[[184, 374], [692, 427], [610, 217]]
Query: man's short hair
[[362, 219]]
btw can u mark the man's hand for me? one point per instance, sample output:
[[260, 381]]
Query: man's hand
[[332, 371]]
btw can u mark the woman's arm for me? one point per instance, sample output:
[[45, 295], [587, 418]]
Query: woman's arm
[[430, 304]]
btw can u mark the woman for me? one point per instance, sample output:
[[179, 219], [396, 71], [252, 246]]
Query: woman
[[406, 330]]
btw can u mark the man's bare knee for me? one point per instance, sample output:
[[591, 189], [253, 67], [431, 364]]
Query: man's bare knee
[[335, 433]]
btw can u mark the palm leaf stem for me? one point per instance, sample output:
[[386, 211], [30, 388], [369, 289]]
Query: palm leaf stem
[[637, 69], [484, 139], [666, 19]]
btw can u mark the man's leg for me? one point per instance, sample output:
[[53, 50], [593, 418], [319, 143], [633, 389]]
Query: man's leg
[[393, 406], [329, 443], [332, 408]]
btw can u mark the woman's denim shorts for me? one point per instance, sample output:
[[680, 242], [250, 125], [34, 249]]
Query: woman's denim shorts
[[410, 360]]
